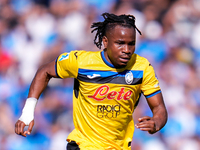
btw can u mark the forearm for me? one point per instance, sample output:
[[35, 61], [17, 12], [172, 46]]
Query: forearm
[[159, 111], [160, 117], [39, 83]]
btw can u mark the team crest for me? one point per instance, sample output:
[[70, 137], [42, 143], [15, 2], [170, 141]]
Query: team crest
[[129, 77]]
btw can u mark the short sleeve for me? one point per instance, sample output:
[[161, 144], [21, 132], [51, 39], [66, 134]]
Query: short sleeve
[[150, 84], [67, 65]]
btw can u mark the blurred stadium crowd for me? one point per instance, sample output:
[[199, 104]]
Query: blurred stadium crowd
[[34, 32]]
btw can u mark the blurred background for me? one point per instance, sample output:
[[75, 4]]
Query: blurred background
[[34, 32]]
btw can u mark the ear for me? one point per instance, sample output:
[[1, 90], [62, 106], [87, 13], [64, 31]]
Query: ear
[[105, 41]]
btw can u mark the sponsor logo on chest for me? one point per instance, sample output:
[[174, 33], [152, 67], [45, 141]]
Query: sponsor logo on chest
[[108, 111], [103, 92]]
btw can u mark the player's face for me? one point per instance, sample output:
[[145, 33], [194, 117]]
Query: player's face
[[120, 45]]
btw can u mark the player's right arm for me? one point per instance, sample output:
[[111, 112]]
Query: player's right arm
[[39, 83], [64, 66]]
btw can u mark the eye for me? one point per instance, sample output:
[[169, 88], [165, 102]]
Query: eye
[[120, 42], [132, 43]]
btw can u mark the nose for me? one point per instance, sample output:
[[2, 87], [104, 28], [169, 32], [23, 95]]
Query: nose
[[126, 49]]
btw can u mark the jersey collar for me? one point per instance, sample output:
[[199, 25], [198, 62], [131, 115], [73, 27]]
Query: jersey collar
[[105, 60]]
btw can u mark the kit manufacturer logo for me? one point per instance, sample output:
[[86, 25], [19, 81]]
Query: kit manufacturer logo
[[93, 76]]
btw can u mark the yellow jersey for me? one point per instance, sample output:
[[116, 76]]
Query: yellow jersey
[[104, 97]]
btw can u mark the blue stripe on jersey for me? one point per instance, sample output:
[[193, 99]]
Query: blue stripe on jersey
[[136, 73], [105, 60], [148, 96], [102, 77], [99, 72]]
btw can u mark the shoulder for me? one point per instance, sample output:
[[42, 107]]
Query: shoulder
[[140, 62], [85, 59], [141, 59], [83, 53]]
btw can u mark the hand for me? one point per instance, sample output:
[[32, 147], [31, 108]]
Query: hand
[[147, 124], [19, 128]]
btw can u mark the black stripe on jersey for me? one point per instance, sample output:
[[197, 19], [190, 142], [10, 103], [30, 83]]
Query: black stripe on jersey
[[76, 87], [56, 67], [102, 80], [75, 55], [137, 102]]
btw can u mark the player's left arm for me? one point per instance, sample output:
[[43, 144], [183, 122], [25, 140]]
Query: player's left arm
[[159, 119]]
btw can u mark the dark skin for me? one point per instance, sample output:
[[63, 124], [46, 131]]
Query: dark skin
[[39, 83], [120, 46], [159, 119]]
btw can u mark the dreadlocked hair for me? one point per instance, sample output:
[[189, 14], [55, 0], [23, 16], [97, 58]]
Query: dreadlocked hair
[[110, 20]]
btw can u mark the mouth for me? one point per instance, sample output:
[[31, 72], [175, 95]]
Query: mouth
[[124, 59]]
